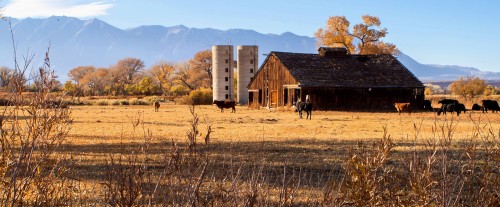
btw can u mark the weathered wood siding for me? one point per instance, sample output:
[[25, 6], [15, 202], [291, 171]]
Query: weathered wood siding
[[363, 99], [282, 89], [277, 77]]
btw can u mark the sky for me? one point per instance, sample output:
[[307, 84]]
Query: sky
[[445, 32]]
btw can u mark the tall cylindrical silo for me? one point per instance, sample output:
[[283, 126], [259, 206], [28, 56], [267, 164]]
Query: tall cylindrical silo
[[222, 72], [247, 65]]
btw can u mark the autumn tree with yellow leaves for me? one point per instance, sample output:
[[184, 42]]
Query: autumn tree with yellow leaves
[[468, 87], [364, 38], [162, 74]]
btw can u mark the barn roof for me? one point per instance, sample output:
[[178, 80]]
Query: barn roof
[[314, 70]]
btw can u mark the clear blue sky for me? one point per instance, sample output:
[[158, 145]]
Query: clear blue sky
[[452, 32]]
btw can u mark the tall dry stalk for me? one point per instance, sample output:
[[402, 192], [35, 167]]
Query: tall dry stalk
[[32, 172]]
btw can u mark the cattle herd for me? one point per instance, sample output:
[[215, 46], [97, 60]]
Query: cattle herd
[[451, 106], [447, 106]]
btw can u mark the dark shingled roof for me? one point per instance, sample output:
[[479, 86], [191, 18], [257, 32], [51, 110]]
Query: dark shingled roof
[[313, 70]]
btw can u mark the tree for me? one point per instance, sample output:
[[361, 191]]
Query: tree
[[144, 87], [6, 76], [468, 87], [189, 77], [491, 90], [163, 73], [202, 61], [124, 71], [70, 88], [368, 35], [94, 83], [79, 75], [129, 67]]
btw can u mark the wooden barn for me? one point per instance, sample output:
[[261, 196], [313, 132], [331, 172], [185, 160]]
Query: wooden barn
[[333, 79]]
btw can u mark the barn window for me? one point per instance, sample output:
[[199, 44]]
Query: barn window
[[418, 91], [227, 88], [227, 60], [227, 96], [226, 78], [227, 70], [251, 70], [251, 61]]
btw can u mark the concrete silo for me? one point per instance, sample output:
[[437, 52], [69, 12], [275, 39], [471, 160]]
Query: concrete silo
[[222, 72], [247, 64]]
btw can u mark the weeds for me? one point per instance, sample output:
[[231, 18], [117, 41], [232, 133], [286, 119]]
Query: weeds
[[437, 172], [32, 171]]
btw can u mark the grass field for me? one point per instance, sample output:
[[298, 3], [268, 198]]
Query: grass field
[[272, 139], [130, 155]]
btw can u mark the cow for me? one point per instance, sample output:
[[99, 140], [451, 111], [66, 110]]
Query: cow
[[304, 106], [403, 107], [451, 108], [156, 105], [448, 101], [477, 107], [427, 105], [225, 105], [460, 108], [490, 105]]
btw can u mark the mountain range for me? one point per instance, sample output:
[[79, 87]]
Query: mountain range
[[74, 42]]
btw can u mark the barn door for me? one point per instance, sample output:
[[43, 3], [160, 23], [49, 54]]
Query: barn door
[[296, 95], [285, 96], [274, 99]]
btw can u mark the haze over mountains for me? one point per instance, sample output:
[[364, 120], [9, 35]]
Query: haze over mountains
[[74, 42]]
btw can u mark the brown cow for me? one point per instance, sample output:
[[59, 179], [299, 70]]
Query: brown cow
[[225, 105], [157, 105], [403, 107]]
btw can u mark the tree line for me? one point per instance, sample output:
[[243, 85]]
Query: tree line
[[130, 77]]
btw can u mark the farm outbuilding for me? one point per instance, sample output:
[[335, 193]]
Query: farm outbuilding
[[333, 79]]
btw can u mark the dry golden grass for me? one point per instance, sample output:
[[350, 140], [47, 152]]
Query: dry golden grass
[[273, 140], [273, 136], [114, 124]]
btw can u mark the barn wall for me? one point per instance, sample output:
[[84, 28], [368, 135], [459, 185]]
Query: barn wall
[[362, 99], [277, 76]]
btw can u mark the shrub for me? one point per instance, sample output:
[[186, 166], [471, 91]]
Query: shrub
[[139, 102], [200, 97], [102, 103], [124, 102]]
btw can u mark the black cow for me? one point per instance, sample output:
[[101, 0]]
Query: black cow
[[451, 108], [304, 106], [477, 107], [491, 105], [427, 105], [448, 101], [460, 108], [225, 105]]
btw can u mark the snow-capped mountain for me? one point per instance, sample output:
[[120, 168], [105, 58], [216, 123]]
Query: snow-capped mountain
[[74, 42]]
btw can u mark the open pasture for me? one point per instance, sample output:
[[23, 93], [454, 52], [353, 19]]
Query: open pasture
[[114, 124], [259, 157], [269, 137]]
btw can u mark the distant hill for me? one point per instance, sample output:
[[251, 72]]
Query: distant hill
[[74, 42], [436, 73]]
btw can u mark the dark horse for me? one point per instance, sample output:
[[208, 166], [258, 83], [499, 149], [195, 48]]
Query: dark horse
[[304, 106]]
